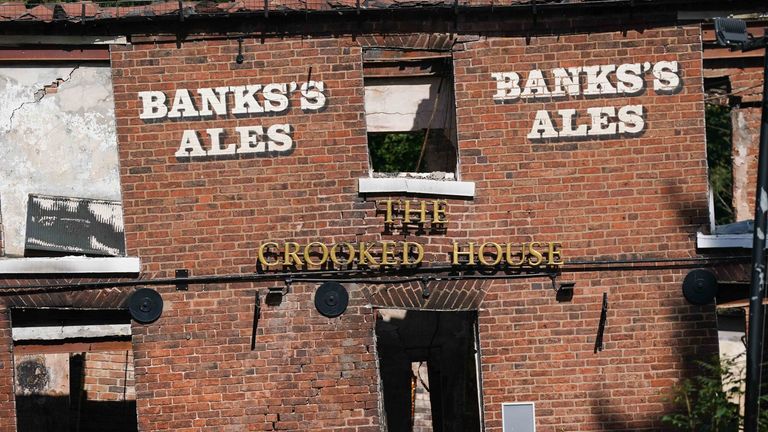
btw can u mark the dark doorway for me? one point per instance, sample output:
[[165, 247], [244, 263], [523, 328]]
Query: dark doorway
[[73, 370], [440, 345]]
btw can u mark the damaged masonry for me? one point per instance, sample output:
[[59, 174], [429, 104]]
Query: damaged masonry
[[368, 216]]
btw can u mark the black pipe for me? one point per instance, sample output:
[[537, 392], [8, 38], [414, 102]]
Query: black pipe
[[395, 275], [757, 287]]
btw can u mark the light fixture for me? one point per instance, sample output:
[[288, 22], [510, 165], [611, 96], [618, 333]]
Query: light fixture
[[275, 295], [565, 291], [732, 32]]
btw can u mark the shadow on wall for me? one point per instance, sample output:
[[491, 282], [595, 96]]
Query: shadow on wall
[[60, 414]]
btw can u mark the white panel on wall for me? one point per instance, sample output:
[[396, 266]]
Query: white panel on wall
[[518, 417]]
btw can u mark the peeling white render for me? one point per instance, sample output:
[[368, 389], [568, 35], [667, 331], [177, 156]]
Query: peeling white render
[[61, 142]]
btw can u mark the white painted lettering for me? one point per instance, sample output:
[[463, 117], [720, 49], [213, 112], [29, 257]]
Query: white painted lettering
[[666, 78], [568, 115], [507, 86], [631, 119], [597, 80], [601, 121], [542, 126], [312, 96], [630, 80], [535, 86], [152, 105], [245, 99], [190, 145], [251, 139], [216, 149], [275, 99], [182, 105], [213, 101], [566, 81], [279, 138]]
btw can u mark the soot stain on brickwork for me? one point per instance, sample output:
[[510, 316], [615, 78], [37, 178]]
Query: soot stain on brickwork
[[33, 376]]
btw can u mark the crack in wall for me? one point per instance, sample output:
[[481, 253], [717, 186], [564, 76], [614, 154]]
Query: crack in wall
[[40, 94]]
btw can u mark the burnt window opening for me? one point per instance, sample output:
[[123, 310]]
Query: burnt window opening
[[719, 135], [410, 113], [428, 365], [73, 370]]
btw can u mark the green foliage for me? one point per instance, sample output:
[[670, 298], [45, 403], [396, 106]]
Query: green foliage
[[718, 120], [705, 400], [395, 152]]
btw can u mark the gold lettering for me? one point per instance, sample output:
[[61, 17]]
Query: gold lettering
[[470, 254], [308, 256], [335, 258], [536, 257], [262, 258], [292, 255], [481, 254], [388, 218], [523, 253], [365, 255], [553, 254], [406, 251], [422, 211], [437, 211], [387, 253]]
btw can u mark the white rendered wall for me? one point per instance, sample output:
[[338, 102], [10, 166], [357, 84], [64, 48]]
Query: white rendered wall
[[58, 143]]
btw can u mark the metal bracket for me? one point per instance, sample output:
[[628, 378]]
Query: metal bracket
[[182, 285], [601, 326], [424, 288], [256, 317], [239, 59]]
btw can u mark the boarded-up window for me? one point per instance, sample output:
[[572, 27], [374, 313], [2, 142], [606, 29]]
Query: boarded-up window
[[66, 226]]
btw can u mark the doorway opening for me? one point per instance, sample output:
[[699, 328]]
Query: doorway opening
[[73, 370], [428, 368]]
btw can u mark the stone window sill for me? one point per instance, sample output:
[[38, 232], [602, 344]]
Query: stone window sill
[[368, 185], [70, 265]]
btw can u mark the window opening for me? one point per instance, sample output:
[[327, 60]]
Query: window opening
[[427, 366], [410, 113], [73, 370], [719, 148]]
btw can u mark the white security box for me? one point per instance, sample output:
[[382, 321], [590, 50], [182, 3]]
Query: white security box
[[518, 417]]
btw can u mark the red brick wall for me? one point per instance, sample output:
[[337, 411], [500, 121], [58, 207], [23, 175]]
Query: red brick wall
[[7, 395], [607, 198], [639, 197], [194, 368], [109, 376]]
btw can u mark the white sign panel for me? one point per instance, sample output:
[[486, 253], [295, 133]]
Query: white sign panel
[[518, 417]]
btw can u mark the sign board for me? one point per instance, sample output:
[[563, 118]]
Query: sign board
[[518, 417]]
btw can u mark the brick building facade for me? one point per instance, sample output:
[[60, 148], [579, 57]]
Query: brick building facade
[[592, 138]]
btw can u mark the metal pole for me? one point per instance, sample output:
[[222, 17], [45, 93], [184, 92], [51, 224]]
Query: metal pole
[[757, 287]]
